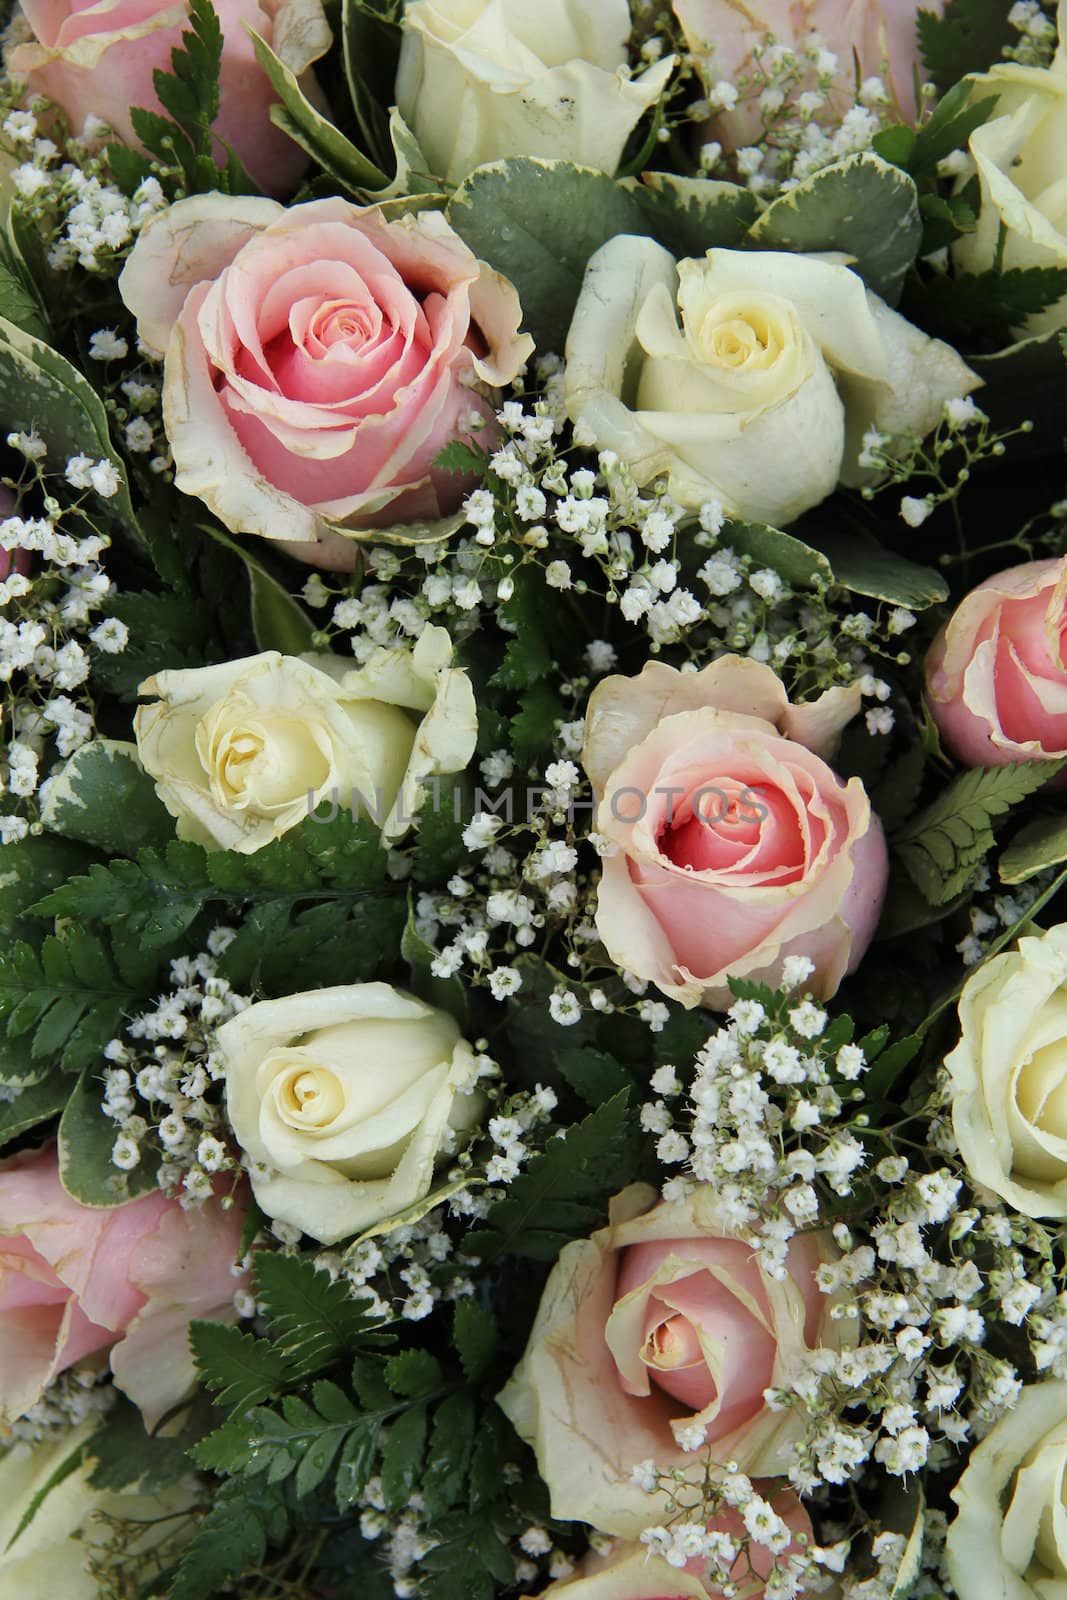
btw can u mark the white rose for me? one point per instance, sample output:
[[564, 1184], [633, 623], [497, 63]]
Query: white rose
[[1009, 1075], [761, 397], [482, 79], [345, 1099], [1021, 157], [245, 750], [1009, 1541], [49, 1560]]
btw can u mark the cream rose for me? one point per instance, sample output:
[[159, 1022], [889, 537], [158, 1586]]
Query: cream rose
[[1021, 157], [736, 845], [749, 377], [344, 1100], [1009, 1540], [481, 79], [662, 1322], [1009, 1075], [245, 750], [49, 1560]]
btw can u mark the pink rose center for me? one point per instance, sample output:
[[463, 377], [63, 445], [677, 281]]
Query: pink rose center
[[703, 1338], [726, 825]]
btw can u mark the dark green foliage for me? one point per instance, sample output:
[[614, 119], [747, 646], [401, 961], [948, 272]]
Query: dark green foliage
[[969, 36], [945, 844], [563, 1193]]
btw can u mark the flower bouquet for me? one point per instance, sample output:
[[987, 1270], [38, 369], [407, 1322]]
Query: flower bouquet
[[533, 624]]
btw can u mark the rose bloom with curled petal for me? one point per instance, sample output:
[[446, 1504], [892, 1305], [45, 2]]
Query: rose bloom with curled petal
[[1009, 1540], [870, 38], [344, 1100], [98, 59], [318, 360], [479, 80], [243, 751], [746, 376], [77, 1279], [1019, 156], [662, 1322], [735, 844], [630, 1572], [996, 675], [1009, 1075]]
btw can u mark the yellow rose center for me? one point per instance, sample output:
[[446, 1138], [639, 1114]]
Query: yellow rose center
[[258, 762], [311, 1098], [1041, 1089], [740, 333]]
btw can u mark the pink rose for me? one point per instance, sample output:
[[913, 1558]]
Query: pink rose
[[98, 59], [877, 38], [996, 675], [630, 1572], [318, 359], [75, 1280], [663, 1323], [736, 845]]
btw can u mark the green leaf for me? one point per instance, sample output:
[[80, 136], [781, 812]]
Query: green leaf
[[86, 1139], [533, 726], [278, 622], [370, 37], [448, 1453], [538, 222], [36, 1103], [67, 1467], [356, 1464], [240, 1369], [967, 36], [413, 1374], [447, 994], [988, 304], [527, 655], [245, 1517], [475, 1336], [29, 869], [954, 120], [864, 567], [402, 1457], [325, 143], [888, 1065], [103, 797], [39, 385], [561, 1194], [61, 1003], [862, 206], [312, 1319], [1035, 848], [594, 1075], [19, 305], [1015, 376], [691, 215], [125, 1453], [798, 563], [439, 847], [944, 845], [895, 144]]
